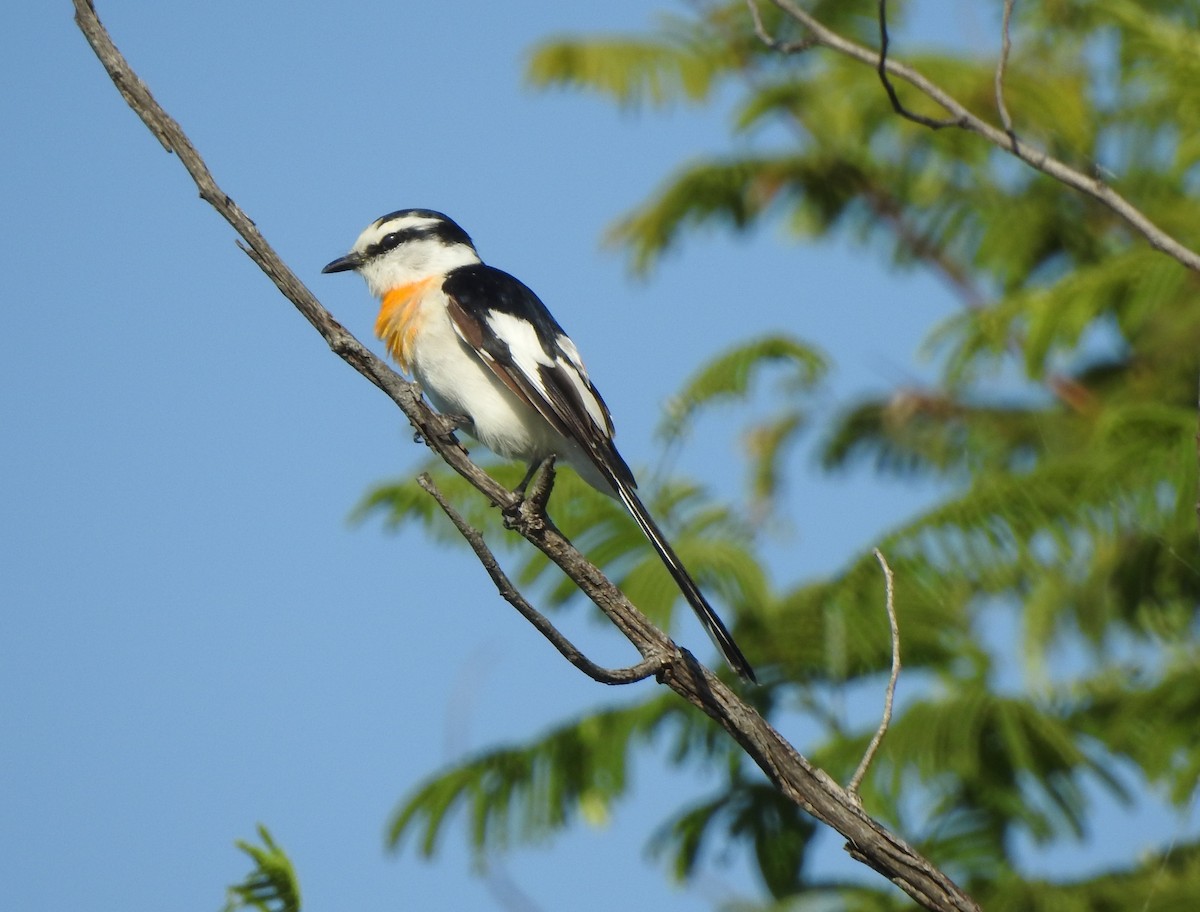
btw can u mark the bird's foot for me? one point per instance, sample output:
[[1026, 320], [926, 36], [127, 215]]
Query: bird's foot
[[534, 497]]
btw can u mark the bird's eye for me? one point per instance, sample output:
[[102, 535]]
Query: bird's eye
[[390, 241]]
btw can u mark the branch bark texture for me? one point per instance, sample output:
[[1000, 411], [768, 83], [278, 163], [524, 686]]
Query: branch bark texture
[[867, 840]]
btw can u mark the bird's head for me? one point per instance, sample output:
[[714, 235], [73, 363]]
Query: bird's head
[[406, 246]]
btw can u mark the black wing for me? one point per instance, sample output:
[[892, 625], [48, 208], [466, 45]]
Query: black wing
[[502, 319]]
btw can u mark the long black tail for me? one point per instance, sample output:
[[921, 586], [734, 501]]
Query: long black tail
[[716, 629]]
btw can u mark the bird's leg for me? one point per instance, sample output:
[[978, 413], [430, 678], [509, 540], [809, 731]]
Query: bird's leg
[[519, 490], [543, 485], [536, 497]]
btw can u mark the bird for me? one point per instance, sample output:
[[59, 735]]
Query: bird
[[489, 356]]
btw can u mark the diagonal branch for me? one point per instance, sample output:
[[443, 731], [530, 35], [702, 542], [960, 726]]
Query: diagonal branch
[[867, 840], [961, 117]]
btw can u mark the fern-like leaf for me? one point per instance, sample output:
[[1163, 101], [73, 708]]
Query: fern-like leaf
[[272, 885]]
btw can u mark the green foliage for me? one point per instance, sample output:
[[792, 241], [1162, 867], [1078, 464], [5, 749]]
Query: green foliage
[[635, 72], [272, 885], [526, 793], [1162, 882], [731, 378], [1048, 603], [728, 376], [775, 827]]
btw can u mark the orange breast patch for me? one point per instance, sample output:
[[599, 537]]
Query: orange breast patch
[[400, 319]]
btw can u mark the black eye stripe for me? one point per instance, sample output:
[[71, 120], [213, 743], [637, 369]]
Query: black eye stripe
[[394, 239], [442, 229], [391, 241]]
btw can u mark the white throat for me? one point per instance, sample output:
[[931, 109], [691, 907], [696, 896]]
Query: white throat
[[413, 262]]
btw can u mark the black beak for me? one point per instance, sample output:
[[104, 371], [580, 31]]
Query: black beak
[[344, 264]]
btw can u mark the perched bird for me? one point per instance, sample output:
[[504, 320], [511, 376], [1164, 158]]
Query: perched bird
[[489, 355]]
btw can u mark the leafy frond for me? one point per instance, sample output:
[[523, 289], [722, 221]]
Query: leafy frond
[[776, 830], [836, 630], [917, 431], [1131, 288], [527, 793], [1164, 881], [728, 377], [272, 885], [401, 502], [1016, 762], [733, 191], [713, 543], [1149, 718], [677, 65]]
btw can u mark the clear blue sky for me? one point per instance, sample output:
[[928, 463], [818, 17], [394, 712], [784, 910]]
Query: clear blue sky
[[193, 637]]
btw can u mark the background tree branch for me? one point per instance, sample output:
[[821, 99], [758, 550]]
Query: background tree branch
[[810, 788], [959, 116]]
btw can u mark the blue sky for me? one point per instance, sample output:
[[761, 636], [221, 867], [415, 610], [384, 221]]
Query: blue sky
[[194, 638]]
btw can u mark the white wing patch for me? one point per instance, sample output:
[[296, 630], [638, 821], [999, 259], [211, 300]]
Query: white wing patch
[[523, 345], [572, 366], [530, 358], [572, 353]]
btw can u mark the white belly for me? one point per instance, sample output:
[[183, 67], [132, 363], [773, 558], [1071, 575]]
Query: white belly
[[459, 383]]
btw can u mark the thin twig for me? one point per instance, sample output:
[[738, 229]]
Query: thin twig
[[934, 123], [509, 592], [783, 47], [1001, 66], [1088, 184], [890, 693]]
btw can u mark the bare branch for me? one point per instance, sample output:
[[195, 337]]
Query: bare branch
[[811, 789], [890, 694], [510, 593], [1001, 66], [881, 68], [1088, 184]]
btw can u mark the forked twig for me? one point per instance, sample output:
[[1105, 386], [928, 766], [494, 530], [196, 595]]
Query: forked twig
[[890, 693], [512, 595]]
